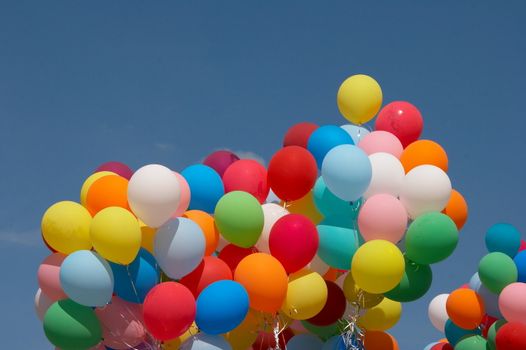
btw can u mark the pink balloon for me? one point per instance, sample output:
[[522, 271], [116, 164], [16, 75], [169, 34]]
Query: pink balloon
[[48, 275], [381, 141], [122, 324], [512, 302], [42, 303], [382, 216], [184, 202], [249, 176], [523, 245], [117, 168]]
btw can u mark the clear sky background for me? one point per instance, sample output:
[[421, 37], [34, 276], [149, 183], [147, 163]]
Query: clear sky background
[[83, 82]]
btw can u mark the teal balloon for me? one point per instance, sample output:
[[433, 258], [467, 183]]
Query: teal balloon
[[415, 283], [324, 332], [330, 205], [472, 342], [455, 333], [496, 271], [504, 238], [337, 244], [304, 342]]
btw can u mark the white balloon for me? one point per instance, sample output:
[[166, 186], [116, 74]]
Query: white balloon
[[437, 311], [272, 212], [426, 188], [357, 133], [388, 175], [42, 303], [154, 194], [318, 265]]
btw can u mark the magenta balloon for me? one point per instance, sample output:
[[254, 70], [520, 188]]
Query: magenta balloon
[[48, 275], [220, 161], [184, 201], [117, 168]]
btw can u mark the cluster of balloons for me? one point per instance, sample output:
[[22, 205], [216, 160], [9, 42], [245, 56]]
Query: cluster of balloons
[[343, 224], [489, 312]]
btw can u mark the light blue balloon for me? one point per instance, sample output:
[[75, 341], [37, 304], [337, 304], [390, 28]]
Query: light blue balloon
[[206, 187], [86, 278], [347, 172], [330, 205], [179, 247], [325, 138], [221, 307], [491, 301], [304, 342], [455, 333], [334, 343], [474, 282], [203, 341], [520, 262], [337, 244], [429, 346], [504, 238], [356, 132]]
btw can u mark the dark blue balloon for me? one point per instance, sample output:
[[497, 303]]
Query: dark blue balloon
[[520, 262], [504, 238], [134, 281], [455, 333], [206, 187], [325, 138], [221, 307]]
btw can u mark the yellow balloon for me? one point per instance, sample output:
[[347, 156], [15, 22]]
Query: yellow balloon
[[377, 266], [148, 236], [359, 98], [116, 235], [354, 294], [89, 181], [244, 335], [305, 206], [381, 317], [65, 227], [306, 295], [175, 344]]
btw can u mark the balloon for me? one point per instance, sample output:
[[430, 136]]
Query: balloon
[[293, 241], [210, 270], [68, 325], [65, 227], [423, 152], [306, 295], [377, 266], [337, 245], [334, 343], [382, 316], [325, 138], [376, 340], [206, 187], [134, 281], [355, 295], [442, 346], [179, 247], [491, 301], [265, 280], [333, 309], [107, 191], [207, 224], [42, 304], [121, 322], [426, 188], [357, 133], [118, 168], [512, 303], [221, 307], [169, 310], [391, 227], [474, 282], [292, 173], [328, 204], [523, 245], [184, 199], [359, 98], [415, 283], [203, 341], [87, 278], [232, 255], [347, 172], [496, 271], [455, 333], [381, 141], [244, 335], [492, 334], [116, 235], [239, 218], [305, 206], [457, 209], [175, 344], [504, 238], [487, 322], [249, 176], [317, 265], [520, 262], [304, 342], [472, 342], [465, 308], [49, 277], [401, 119], [147, 237], [220, 161], [437, 311], [511, 336], [267, 340], [387, 175], [431, 238], [271, 213], [88, 182], [298, 134]]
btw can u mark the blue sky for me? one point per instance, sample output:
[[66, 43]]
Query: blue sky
[[167, 82]]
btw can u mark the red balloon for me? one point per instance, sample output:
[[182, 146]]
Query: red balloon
[[487, 322], [249, 176], [511, 336], [220, 161], [402, 119], [292, 172], [293, 240], [442, 346], [334, 307], [232, 255], [267, 341], [522, 246], [210, 270], [298, 134], [168, 310], [117, 168]]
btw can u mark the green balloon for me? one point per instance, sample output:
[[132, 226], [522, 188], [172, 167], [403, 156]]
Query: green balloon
[[492, 334], [431, 238], [324, 332], [337, 242], [471, 342], [415, 282], [496, 271], [69, 325], [239, 218]]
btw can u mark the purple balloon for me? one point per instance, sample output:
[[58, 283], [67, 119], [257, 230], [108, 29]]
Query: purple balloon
[[117, 168], [220, 161]]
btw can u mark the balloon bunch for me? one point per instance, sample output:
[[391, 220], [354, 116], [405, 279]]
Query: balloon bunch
[[490, 311], [229, 254]]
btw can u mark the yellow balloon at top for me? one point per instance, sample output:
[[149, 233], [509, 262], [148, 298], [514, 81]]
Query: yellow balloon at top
[[359, 98], [89, 181]]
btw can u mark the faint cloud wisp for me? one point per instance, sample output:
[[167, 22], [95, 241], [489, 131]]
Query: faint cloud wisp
[[25, 238]]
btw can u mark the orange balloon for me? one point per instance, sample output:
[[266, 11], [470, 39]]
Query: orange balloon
[[377, 340], [265, 280], [207, 224], [465, 308], [424, 152], [457, 209], [305, 206], [108, 191], [331, 274]]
